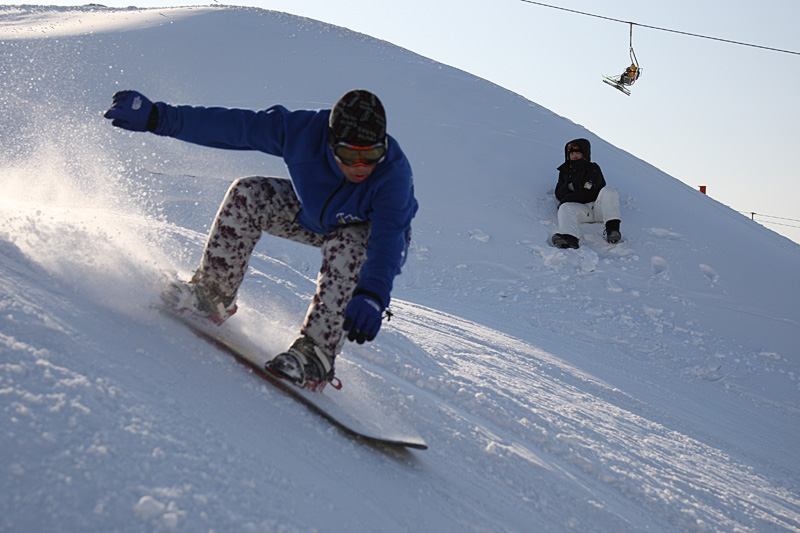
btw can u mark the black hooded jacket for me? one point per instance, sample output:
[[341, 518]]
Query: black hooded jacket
[[579, 181]]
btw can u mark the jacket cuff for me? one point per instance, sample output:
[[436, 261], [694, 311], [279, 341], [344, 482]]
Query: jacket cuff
[[158, 119]]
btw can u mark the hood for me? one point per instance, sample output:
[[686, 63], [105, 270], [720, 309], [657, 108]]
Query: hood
[[586, 148]]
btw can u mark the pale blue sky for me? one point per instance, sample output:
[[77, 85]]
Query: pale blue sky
[[707, 112]]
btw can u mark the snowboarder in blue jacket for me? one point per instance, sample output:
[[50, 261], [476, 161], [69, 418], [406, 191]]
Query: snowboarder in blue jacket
[[350, 193]]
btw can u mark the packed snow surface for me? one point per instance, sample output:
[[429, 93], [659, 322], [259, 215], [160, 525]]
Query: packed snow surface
[[651, 385]]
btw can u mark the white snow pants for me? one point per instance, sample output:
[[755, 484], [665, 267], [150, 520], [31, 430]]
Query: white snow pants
[[258, 204], [572, 214]]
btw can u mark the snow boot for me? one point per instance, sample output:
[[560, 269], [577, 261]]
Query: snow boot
[[564, 240], [304, 362], [613, 236], [199, 300]]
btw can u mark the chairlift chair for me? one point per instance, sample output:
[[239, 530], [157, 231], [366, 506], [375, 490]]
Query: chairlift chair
[[631, 73]]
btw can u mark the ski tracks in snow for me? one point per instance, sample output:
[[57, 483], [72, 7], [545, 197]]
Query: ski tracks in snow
[[539, 418]]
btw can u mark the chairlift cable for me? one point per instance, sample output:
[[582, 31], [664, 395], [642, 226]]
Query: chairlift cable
[[754, 214], [664, 29]]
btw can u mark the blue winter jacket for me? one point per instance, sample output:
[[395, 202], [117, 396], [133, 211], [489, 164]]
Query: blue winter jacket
[[385, 198]]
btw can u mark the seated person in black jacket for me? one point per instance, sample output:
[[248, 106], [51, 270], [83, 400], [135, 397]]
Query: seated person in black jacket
[[584, 197]]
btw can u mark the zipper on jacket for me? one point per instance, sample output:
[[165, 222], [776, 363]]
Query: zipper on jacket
[[328, 201]]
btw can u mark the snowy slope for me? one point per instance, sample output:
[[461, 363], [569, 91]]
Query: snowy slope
[[651, 385]]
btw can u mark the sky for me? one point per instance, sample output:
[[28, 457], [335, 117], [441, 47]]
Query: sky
[[707, 112]]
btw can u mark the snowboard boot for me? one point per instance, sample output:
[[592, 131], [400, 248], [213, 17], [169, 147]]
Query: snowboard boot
[[200, 300], [304, 363], [613, 236], [564, 240]]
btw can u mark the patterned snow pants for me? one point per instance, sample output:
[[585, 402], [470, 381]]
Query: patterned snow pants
[[258, 204]]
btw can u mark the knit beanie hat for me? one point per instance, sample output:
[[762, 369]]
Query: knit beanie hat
[[358, 118]]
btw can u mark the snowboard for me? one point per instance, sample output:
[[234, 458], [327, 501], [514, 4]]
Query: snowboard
[[340, 405]]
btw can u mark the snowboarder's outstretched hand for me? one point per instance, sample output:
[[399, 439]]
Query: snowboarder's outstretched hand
[[130, 110], [362, 318]]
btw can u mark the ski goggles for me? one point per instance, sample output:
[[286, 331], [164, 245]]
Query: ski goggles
[[353, 156], [574, 148]]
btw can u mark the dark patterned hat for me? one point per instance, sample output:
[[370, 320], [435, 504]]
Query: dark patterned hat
[[358, 118]]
